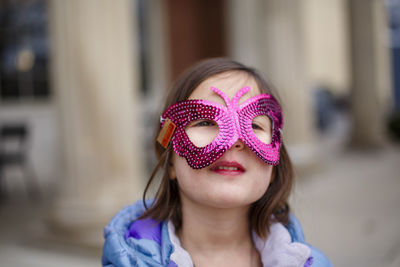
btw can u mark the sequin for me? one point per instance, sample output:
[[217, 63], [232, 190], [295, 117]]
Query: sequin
[[234, 122]]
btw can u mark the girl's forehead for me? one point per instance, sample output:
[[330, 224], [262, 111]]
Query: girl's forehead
[[229, 83]]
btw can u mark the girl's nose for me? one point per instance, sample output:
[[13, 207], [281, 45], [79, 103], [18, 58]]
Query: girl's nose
[[239, 145]]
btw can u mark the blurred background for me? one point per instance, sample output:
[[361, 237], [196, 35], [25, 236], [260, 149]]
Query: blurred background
[[81, 82]]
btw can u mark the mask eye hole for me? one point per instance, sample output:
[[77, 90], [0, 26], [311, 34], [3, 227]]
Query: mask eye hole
[[202, 132], [262, 128]]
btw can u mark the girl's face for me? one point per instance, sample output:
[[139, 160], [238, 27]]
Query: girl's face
[[239, 177]]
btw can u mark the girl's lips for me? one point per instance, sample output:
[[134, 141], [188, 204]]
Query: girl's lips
[[228, 168]]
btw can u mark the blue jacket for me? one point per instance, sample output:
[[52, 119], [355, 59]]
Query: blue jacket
[[127, 245]]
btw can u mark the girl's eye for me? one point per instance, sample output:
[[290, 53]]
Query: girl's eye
[[204, 124], [255, 127]]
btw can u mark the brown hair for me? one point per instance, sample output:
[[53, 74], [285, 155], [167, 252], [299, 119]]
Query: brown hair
[[167, 204]]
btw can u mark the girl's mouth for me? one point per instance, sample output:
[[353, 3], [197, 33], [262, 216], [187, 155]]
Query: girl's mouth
[[228, 168]]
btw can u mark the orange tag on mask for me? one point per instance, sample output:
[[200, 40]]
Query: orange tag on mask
[[166, 133]]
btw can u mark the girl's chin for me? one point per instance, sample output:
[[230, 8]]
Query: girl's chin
[[221, 195], [229, 202]]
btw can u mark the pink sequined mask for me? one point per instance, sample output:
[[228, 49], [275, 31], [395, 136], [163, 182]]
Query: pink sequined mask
[[234, 122]]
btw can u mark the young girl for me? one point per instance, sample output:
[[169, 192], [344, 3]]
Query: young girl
[[226, 179]]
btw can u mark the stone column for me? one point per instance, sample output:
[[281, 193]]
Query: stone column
[[95, 80], [370, 71], [157, 72], [326, 43], [244, 27], [283, 61]]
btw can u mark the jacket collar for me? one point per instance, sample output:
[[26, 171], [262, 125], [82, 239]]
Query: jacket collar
[[277, 250]]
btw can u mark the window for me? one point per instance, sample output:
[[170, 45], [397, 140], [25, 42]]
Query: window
[[23, 50]]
